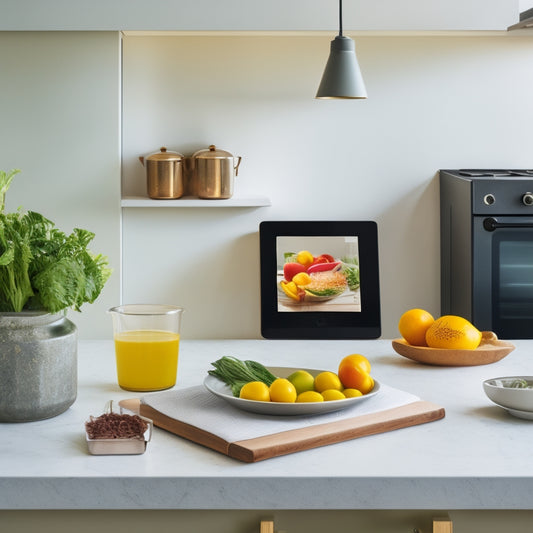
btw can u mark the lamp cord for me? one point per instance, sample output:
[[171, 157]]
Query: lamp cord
[[340, 18]]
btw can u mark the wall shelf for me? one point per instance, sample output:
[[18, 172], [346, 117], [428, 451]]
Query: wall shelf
[[189, 201]]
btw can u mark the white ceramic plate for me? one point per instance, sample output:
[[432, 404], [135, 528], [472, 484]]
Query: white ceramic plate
[[220, 389], [526, 415], [501, 393]]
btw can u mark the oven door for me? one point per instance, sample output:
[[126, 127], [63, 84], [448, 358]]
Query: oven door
[[502, 276]]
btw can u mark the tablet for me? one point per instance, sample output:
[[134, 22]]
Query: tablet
[[319, 280]]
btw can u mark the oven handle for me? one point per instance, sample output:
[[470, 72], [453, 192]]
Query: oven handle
[[491, 224]]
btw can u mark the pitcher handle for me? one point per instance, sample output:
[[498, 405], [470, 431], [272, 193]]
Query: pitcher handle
[[237, 165]]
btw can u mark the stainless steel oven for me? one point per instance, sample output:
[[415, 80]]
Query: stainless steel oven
[[487, 249]]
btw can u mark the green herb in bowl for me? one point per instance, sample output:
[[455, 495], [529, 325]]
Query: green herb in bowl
[[236, 373]]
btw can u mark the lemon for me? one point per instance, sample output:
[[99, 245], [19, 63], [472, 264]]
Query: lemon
[[332, 394], [255, 390], [302, 381], [309, 396], [305, 258], [352, 393], [282, 390], [327, 380], [453, 332]]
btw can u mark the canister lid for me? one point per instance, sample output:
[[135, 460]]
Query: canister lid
[[212, 153], [165, 155]]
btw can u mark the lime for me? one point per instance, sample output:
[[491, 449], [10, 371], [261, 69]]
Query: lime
[[302, 381]]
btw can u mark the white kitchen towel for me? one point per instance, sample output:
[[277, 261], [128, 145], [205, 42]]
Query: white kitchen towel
[[202, 409]]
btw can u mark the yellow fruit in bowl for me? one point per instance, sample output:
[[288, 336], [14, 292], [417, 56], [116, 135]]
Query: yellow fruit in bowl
[[255, 390], [327, 380], [413, 326], [454, 333], [332, 394], [282, 390], [309, 396], [352, 393]]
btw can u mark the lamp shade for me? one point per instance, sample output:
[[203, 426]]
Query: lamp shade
[[342, 76]]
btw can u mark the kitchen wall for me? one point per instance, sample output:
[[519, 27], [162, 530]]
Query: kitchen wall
[[434, 102], [60, 124]]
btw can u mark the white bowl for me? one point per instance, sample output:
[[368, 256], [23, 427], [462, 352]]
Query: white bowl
[[505, 392]]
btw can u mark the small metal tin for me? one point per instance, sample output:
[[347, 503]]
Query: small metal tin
[[120, 446]]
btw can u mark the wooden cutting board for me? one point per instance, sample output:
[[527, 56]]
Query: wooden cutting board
[[295, 440]]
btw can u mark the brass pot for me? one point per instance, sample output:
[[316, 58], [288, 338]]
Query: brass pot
[[164, 174], [214, 173]]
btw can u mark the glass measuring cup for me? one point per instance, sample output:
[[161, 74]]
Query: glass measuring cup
[[146, 340]]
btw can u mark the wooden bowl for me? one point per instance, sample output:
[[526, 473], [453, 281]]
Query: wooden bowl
[[490, 350]]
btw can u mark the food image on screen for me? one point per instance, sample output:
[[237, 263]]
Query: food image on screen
[[318, 274]]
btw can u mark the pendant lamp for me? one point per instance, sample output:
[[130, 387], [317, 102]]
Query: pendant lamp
[[342, 77]]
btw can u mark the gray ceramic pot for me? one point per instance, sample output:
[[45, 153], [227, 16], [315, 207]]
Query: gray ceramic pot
[[38, 365]]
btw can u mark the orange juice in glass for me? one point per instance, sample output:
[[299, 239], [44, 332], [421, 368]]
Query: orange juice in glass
[[146, 345]]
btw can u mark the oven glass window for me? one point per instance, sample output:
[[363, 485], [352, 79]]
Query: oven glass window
[[514, 290]]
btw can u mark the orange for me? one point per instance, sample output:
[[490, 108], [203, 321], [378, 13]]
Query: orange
[[353, 377], [356, 359], [454, 333], [413, 325], [354, 373]]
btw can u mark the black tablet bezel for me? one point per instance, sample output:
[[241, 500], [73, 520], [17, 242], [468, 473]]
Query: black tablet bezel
[[365, 324]]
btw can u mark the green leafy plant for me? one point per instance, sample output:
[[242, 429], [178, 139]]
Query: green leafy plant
[[43, 268], [236, 373]]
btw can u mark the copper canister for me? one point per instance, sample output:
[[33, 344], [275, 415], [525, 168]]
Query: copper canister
[[164, 174], [214, 173]]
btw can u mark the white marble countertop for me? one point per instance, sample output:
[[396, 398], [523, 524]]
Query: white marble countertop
[[477, 457]]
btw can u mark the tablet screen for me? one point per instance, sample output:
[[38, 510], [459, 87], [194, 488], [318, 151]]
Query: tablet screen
[[319, 280]]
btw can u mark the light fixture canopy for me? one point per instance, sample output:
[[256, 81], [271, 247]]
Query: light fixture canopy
[[342, 76]]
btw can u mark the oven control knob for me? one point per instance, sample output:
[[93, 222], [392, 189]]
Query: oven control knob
[[489, 199], [527, 199]]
